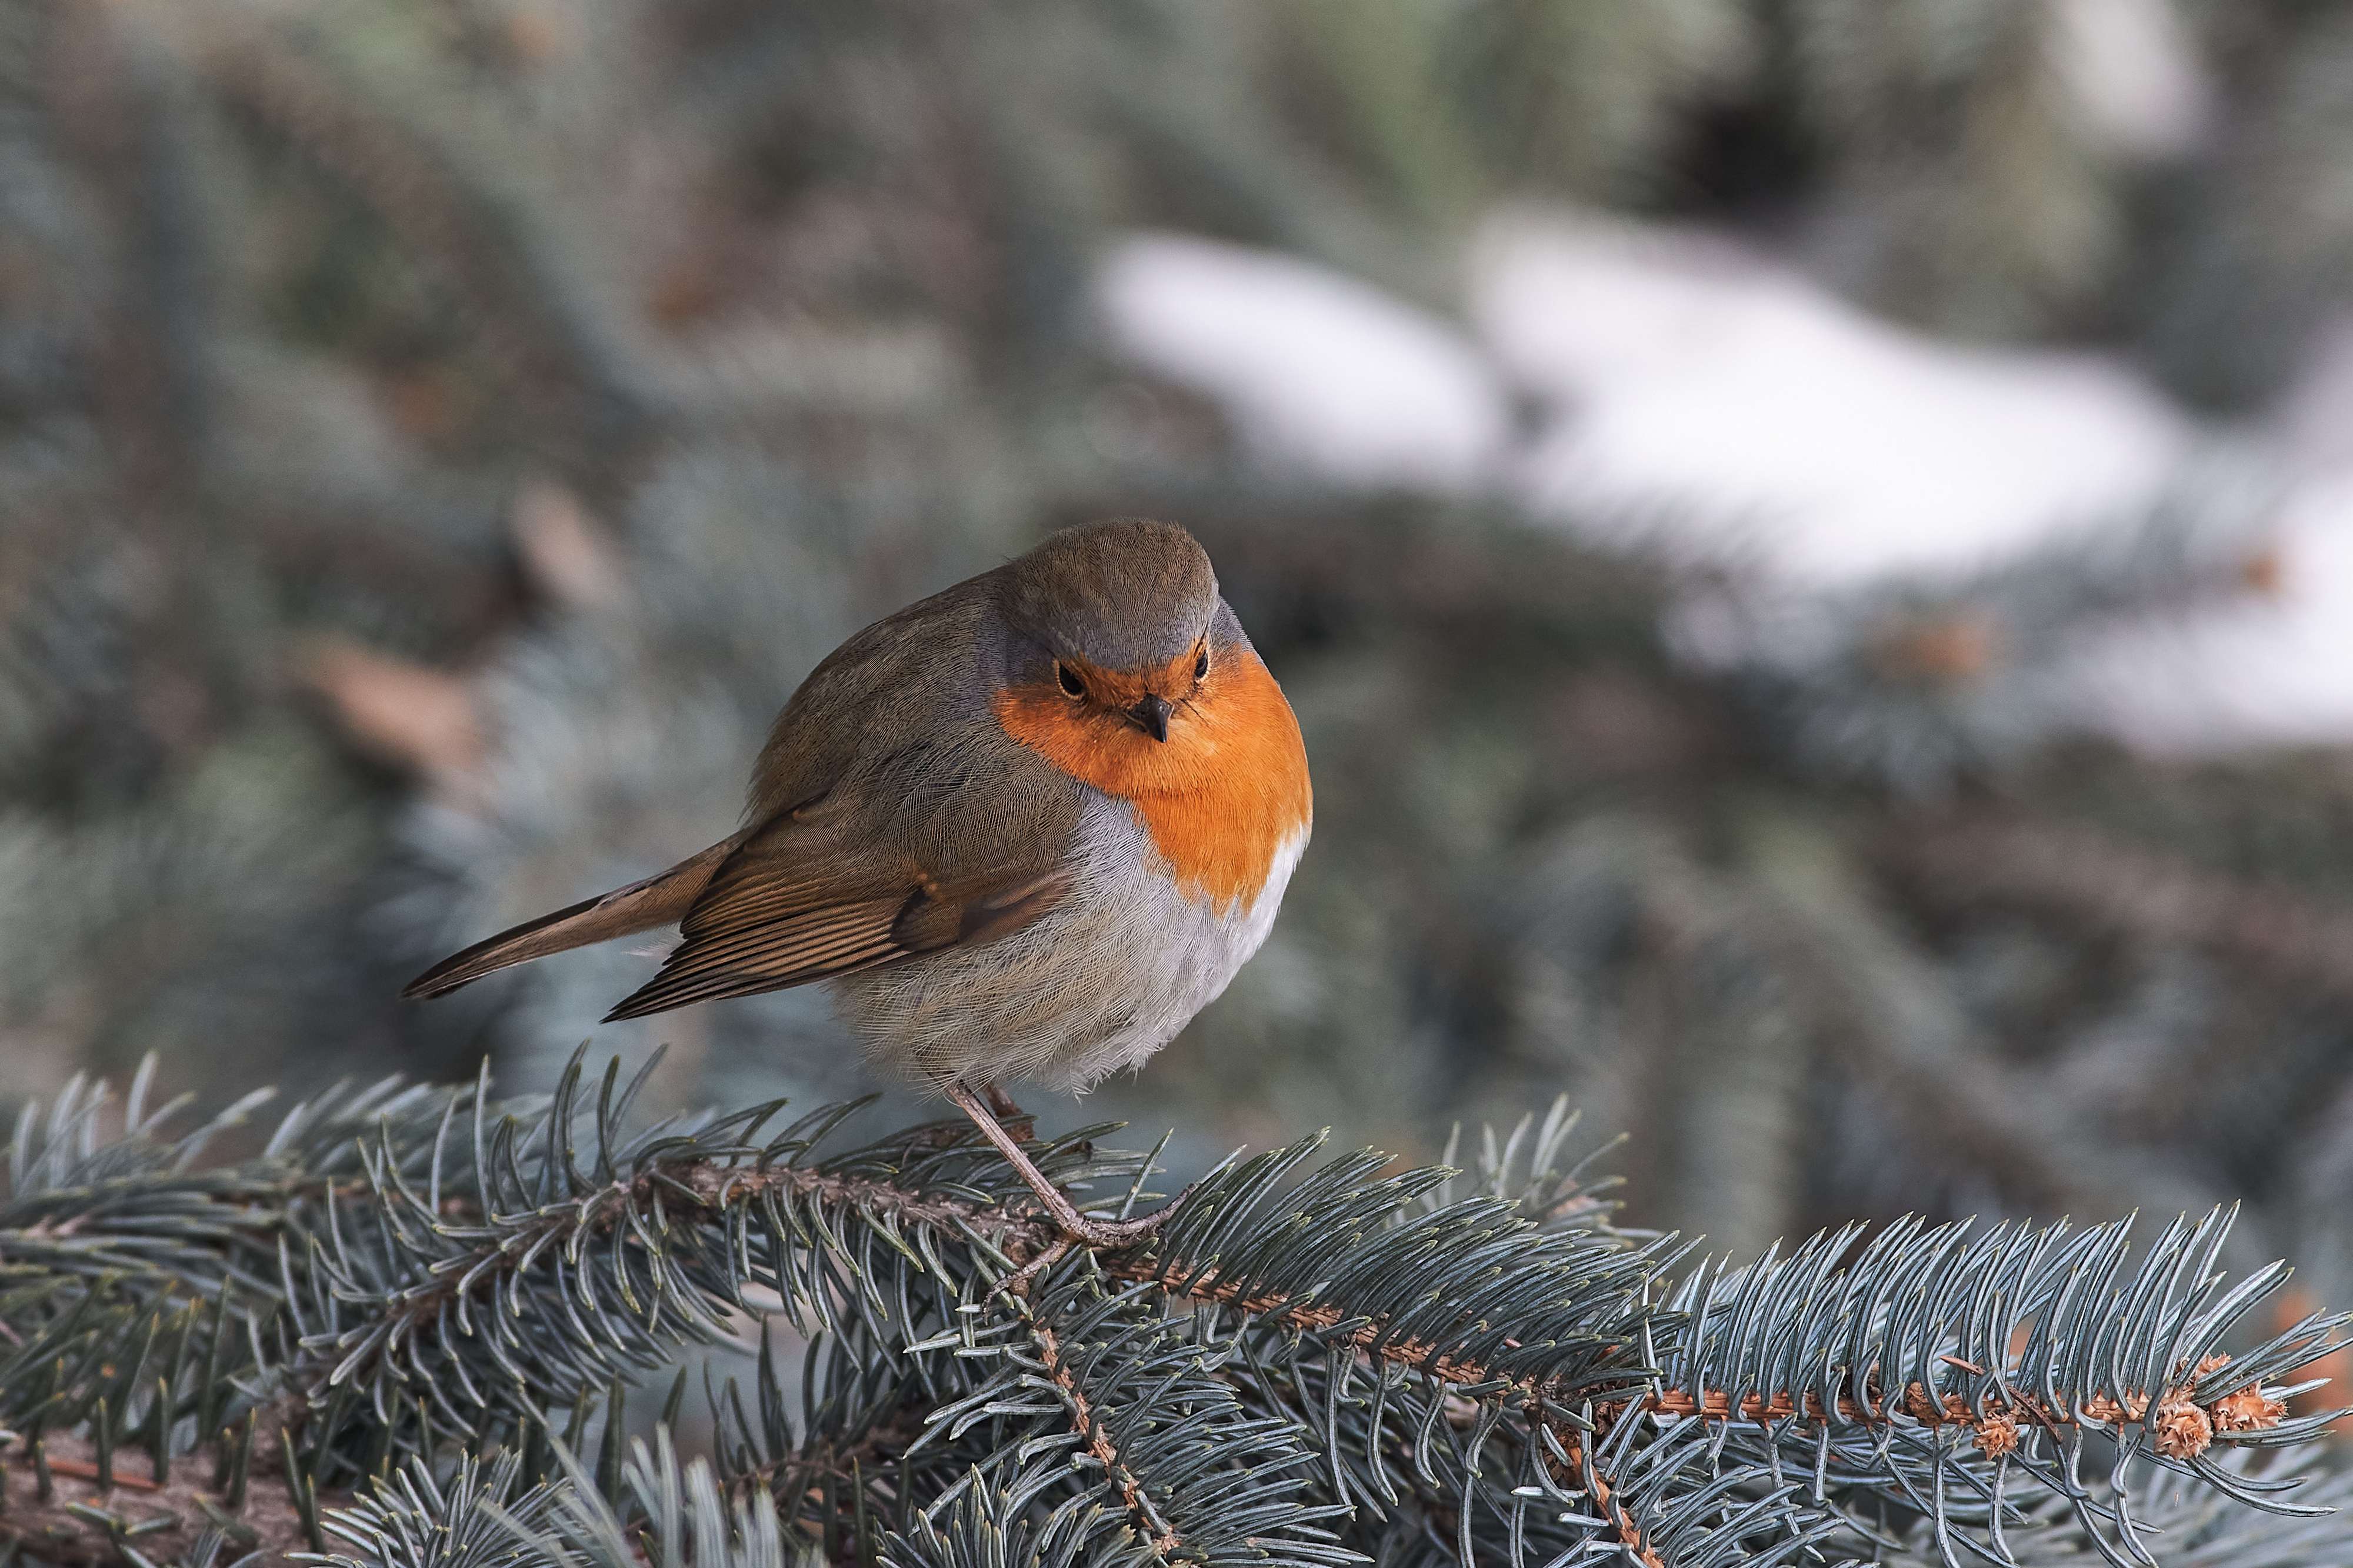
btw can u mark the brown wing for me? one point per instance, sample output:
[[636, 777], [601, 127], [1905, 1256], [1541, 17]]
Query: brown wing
[[895, 815], [806, 898]]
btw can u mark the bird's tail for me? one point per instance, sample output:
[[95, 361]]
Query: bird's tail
[[660, 899]]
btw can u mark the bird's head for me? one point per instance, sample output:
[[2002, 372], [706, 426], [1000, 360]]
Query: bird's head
[[1116, 626]]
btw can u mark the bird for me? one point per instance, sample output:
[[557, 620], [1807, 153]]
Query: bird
[[1025, 828]]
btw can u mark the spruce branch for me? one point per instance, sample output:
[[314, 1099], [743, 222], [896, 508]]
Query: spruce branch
[[1313, 1362], [1890, 1015], [2127, 890], [429, 164]]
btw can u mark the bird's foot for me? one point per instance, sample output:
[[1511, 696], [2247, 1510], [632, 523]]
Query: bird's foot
[[1085, 1230], [1109, 1234], [1101, 1234]]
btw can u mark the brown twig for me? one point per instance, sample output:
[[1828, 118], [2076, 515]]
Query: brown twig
[[1156, 1529], [1584, 1472]]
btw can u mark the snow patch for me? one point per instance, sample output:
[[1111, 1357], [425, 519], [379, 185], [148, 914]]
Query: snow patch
[[1317, 372], [1748, 410]]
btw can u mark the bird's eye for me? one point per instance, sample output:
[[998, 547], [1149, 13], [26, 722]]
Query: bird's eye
[[1071, 685], [1201, 665]]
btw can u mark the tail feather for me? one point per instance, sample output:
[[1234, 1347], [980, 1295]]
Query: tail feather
[[660, 899]]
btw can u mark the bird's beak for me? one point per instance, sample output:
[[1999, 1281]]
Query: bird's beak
[[1151, 716]]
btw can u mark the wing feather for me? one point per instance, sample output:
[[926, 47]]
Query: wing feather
[[766, 958], [810, 935], [661, 995]]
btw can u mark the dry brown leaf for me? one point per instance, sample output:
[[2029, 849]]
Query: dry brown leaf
[[566, 555], [425, 720]]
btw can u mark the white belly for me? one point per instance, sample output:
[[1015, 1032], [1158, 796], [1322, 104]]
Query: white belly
[[1100, 982]]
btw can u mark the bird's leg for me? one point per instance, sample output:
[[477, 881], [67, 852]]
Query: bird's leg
[[1101, 1233]]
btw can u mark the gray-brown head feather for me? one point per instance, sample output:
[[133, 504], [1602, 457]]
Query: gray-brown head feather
[[1130, 595]]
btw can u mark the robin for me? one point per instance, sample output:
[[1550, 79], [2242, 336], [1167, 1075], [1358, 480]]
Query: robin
[[1025, 828]]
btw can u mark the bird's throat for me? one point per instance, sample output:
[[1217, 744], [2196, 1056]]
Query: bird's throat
[[1221, 797]]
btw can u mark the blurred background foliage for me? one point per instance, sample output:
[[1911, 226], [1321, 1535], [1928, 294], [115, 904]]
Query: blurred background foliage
[[436, 435]]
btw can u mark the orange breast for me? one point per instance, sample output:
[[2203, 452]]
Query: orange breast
[[1221, 797]]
